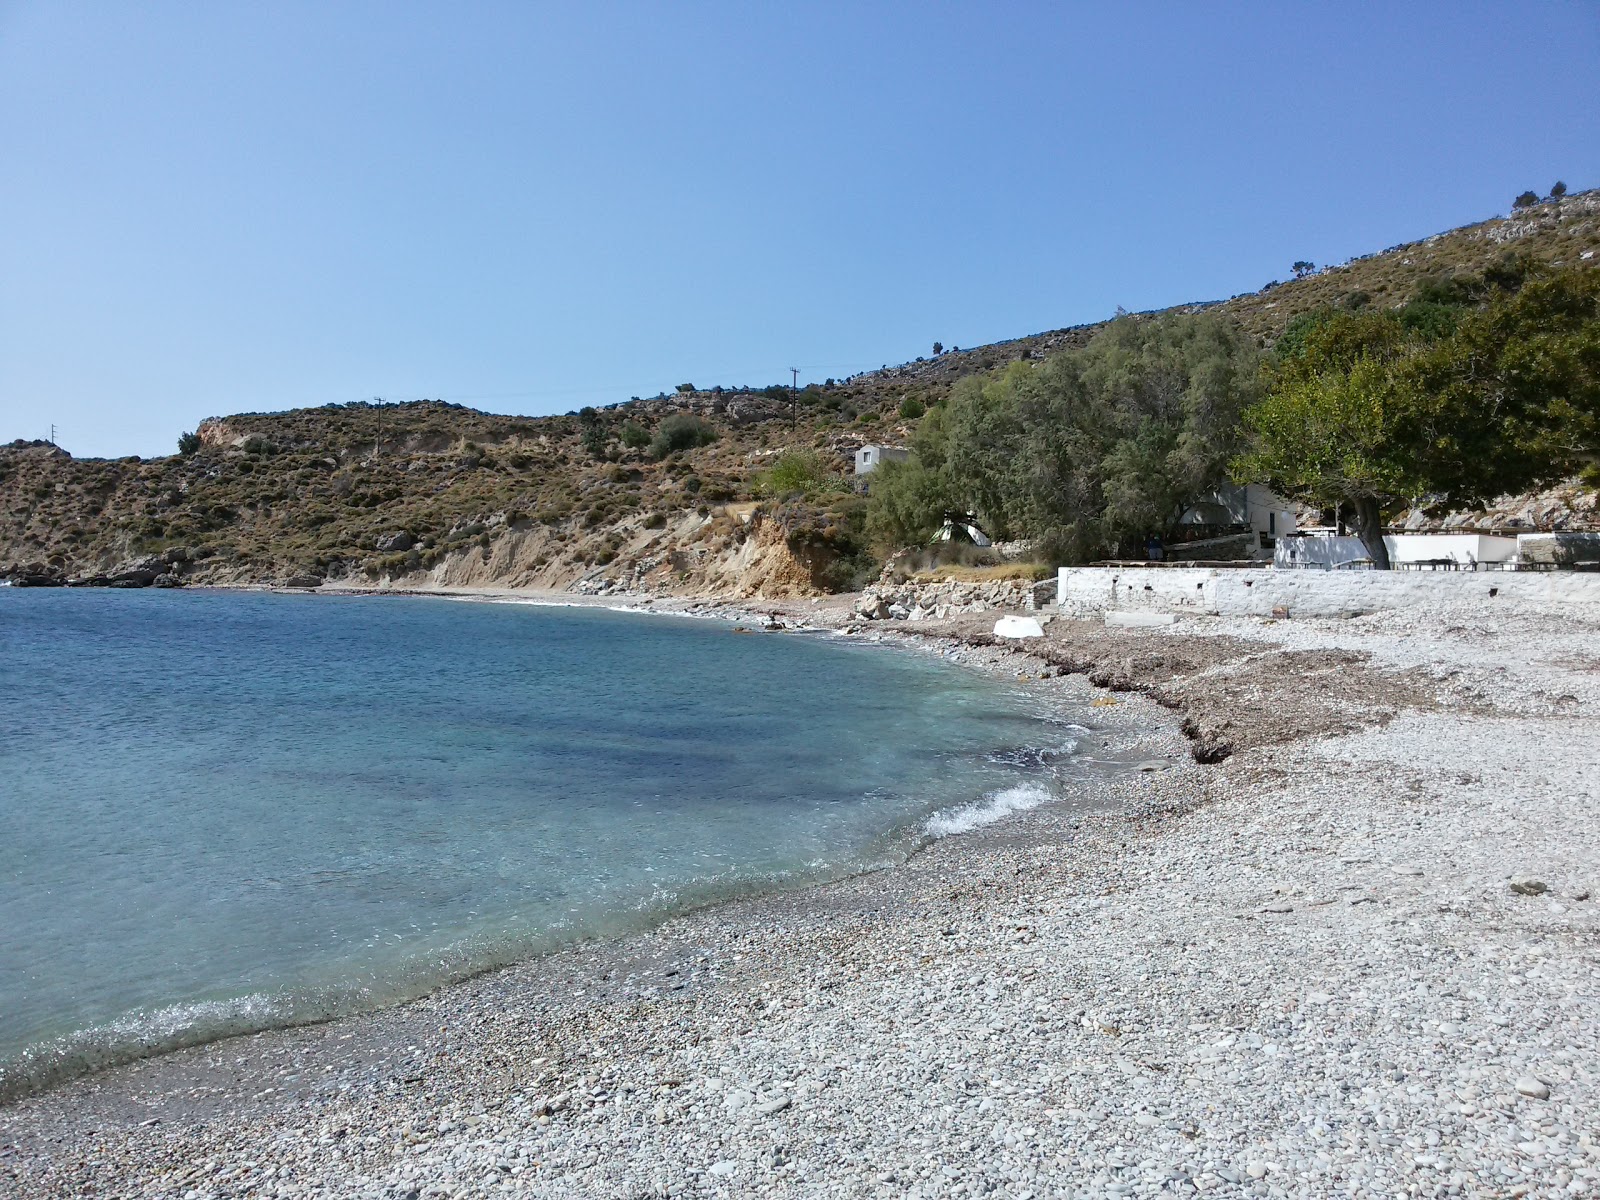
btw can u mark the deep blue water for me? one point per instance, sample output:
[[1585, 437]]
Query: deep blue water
[[221, 812]]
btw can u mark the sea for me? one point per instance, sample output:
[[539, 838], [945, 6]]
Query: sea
[[227, 811]]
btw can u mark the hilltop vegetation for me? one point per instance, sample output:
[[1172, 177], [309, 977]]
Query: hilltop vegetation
[[1080, 439]]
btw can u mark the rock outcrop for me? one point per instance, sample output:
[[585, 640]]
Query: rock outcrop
[[913, 601]]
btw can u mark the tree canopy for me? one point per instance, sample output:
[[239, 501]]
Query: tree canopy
[[1087, 453], [1476, 389]]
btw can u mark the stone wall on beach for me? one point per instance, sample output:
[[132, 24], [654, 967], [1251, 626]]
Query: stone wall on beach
[[1087, 591]]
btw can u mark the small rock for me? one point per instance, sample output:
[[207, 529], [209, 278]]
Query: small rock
[[1529, 1086], [773, 1107], [1406, 869], [724, 1168], [1529, 887]]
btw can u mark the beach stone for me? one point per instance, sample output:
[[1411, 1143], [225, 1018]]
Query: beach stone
[[1526, 886], [1529, 1086], [724, 1168], [872, 608]]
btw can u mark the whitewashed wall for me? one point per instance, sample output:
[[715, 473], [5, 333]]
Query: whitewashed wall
[[1464, 548], [1086, 591]]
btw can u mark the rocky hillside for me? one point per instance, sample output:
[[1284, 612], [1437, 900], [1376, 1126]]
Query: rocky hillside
[[433, 493]]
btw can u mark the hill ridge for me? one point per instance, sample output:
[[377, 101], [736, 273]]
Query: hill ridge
[[435, 492]]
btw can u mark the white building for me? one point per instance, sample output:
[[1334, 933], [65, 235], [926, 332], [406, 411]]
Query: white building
[[1413, 551], [868, 457], [1253, 506]]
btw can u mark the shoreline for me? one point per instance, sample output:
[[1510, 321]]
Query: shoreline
[[1050, 1001], [913, 840]]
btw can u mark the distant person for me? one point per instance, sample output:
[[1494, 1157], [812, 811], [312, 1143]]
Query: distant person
[[1154, 549]]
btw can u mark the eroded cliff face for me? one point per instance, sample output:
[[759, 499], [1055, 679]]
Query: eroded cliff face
[[739, 553], [434, 495]]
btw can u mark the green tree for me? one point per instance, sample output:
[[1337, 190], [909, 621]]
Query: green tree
[[938, 349], [1089, 452], [1516, 389], [1303, 268], [1558, 190], [188, 443], [911, 408], [1525, 200], [634, 435], [1376, 410], [1330, 437], [906, 504]]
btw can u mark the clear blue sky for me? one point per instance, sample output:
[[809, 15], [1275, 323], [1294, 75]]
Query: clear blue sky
[[217, 207]]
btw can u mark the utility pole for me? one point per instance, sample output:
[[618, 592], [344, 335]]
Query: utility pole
[[794, 397], [52, 433]]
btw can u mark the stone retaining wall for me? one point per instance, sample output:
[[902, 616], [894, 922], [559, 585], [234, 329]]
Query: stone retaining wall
[[1086, 591]]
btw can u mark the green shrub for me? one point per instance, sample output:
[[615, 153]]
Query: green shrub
[[634, 435], [682, 431], [592, 432], [799, 473], [911, 408]]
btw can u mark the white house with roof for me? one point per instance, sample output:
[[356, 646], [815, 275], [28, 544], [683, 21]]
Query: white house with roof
[[869, 456], [1251, 506]]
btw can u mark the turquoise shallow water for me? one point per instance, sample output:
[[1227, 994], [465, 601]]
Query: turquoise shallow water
[[220, 812]]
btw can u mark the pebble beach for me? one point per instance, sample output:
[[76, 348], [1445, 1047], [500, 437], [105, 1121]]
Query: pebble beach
[[1353, 952]]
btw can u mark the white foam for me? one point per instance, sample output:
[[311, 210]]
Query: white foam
[[987, 811]]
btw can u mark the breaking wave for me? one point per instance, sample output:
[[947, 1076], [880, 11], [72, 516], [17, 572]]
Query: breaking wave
[[993, 807]]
